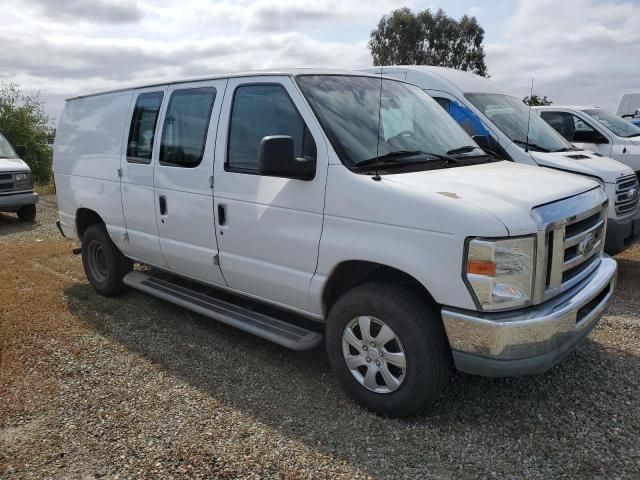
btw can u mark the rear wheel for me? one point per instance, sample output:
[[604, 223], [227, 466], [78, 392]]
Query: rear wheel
[[27, 213], [104, 265], [388, 349]]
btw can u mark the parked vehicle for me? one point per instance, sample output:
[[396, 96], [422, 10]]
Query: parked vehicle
[[629, 105], [16, 183], [269, 198], [595, 129], [501, 122]]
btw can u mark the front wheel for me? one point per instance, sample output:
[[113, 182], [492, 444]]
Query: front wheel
[[27, 213], [103, 263], [388, 349]]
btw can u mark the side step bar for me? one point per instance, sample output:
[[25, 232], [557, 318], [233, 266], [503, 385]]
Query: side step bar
[[263, 326]]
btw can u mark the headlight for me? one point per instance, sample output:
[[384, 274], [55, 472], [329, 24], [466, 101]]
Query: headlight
[[23, 180], [500, 272]]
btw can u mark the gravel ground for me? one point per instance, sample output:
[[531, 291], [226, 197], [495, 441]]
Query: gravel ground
[[137, 388]]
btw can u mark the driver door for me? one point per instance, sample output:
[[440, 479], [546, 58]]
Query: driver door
[[268, 227]]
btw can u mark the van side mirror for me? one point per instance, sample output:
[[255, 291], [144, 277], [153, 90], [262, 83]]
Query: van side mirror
[[487, 143], [20, 151], [278, 160]]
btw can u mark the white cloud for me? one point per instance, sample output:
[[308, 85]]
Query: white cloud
[[64, 48], [577, 51], [105, 11]]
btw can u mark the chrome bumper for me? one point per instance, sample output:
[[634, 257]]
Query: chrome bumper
[[533, 339]]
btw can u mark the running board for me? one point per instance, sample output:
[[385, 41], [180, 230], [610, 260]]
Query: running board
[[263, 326]]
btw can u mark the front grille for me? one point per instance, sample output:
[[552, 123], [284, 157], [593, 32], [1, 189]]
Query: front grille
[[581, 241], [570, 245], [627, 195], [6, 182]]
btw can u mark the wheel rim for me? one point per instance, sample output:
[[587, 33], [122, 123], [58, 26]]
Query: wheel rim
[[374, 354], [97, 261]]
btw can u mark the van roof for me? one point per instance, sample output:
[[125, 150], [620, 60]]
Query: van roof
[[249, 73], [443, 78]]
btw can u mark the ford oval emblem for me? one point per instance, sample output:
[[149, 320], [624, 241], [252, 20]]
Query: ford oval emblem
[[587, 244]]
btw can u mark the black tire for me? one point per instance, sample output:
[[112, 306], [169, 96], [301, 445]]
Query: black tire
[[27, 213], [421, 334], [104, 265]]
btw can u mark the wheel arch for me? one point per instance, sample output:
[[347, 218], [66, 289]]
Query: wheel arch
[[351, 273], [85, 217]]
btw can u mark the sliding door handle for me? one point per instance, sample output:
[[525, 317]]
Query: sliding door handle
[[163, 204], [222, 214]]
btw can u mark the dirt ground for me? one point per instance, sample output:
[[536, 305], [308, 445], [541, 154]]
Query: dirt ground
[[134, 387]]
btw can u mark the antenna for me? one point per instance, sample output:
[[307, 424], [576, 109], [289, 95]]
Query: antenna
[[376, 176], [526, 145]]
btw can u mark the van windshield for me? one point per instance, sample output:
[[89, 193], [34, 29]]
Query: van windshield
[[6, 150], [370, 119], [511, 116], [619, 126]]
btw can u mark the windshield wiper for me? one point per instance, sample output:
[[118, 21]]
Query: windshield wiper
[[401, 158], [465, 149], [392, 157], [530, 145]]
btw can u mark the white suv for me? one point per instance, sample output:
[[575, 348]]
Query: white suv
[[343, 198]]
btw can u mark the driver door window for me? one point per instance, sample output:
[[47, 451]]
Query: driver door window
[[259, 111], [465, 117], [573, 128]]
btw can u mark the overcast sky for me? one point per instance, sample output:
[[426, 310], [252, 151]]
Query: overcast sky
[[578, 51]]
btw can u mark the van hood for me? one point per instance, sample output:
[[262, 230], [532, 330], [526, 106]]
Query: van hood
[[12, 165], [605, 168], [507, 190]]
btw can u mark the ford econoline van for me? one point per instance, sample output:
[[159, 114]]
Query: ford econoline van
[[502, 122], [266, 200]]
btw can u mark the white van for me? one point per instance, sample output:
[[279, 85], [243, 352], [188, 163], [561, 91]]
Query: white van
[[16, 183], [629, 105], [264, 199], [502, 122], [595, 129]]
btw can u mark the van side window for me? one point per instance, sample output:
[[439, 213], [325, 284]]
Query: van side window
[[143, 127], [468, 120], [184, 133], [259, 111], [444, 102], [571, 127]]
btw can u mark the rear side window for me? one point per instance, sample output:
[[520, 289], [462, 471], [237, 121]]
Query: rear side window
[[184, 133], [143, 127], [259, 111]]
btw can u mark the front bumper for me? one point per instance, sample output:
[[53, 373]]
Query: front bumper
[[622, 233], [530, 340], [13, 202]]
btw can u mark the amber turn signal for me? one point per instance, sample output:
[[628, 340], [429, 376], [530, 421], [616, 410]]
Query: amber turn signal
[[481, 267]]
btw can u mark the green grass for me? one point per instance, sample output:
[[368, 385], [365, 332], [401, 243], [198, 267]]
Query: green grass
[[45, 188]]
